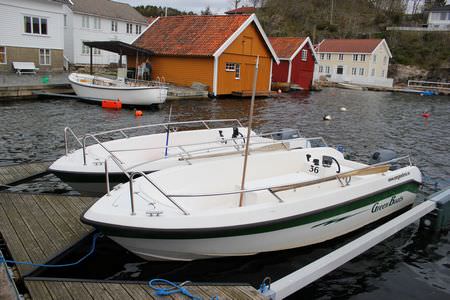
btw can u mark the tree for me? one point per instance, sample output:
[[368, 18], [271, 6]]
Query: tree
[[235, 3], [206, 12], [254, 3]]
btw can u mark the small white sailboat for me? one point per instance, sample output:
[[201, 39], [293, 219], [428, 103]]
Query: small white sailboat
[[95, 88], [84, 168], [291, 199]]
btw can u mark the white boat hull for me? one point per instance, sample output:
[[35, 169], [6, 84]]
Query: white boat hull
[[126, 94]]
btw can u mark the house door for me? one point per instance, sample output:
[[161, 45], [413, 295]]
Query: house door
[[247, 77], [339, 72]]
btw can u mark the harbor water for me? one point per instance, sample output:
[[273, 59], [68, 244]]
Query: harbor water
[[410, 265]]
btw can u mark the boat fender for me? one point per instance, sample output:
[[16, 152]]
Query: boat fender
[[383, 155], [326, 117]]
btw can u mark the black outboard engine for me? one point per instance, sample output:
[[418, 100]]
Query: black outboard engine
[[383, 155], [236, 134], [286, 134]]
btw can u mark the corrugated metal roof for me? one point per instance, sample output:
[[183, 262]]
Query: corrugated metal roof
[[108, 9], [190, 35], [349, 45]]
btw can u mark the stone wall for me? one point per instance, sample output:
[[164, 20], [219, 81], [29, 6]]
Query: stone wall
[[32, 55]]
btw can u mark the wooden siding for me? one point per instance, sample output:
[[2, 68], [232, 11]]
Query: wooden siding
[[280, 72], [244, 50], [302, 71]]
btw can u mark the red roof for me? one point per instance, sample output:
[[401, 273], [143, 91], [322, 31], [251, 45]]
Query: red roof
[[190, 35], [151, 19], [242, 10], [352, 46], [285, 47]]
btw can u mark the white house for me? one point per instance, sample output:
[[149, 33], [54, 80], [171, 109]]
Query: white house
[[439, 17], [98, 20], [32, 31], [359, 61]]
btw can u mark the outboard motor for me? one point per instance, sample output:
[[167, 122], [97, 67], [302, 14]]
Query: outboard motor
[[286, 134], [383, 155], [236, 134]]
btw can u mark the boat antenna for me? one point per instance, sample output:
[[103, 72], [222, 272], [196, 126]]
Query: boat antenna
[[168, 131], [249, 130]]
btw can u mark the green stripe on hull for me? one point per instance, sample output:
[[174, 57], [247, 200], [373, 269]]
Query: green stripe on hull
[[256, 228]]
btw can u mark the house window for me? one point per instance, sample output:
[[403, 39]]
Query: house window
[[341, 56], [329, 56], [340, 70], [129, 28], [304, 54], [382, 73], [374, 58], [84, 49], [327, 69], [373, 72], [353, 71], [443, 16], [361, 71], [138, 29], [85, 21], [355, 57], [97, 23], [230, 67], [238, 71], [35, 25], [2, 55], [44, 57], [363, 57], [322, 55], [114, 26], [96, 51], [320, 69], [384, 60], [65, 20]]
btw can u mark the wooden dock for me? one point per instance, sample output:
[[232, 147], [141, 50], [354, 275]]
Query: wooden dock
[[8, 290], [14, 174], [38, 228], [247, 94], [43, 289]]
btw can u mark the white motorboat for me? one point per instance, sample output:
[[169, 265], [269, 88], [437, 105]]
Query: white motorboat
[[290, 199], [84, 168], [95, 88]]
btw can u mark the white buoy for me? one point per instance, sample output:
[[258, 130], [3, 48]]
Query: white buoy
[[279, 91], [343, 109], [326, 117]]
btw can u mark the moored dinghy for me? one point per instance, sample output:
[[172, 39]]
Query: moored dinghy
[[292, 199]]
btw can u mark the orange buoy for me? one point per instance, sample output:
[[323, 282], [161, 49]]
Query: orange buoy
[[138, 113], [112, 104]]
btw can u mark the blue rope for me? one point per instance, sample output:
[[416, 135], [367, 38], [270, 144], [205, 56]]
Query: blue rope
[[172, 289], [91, 251]]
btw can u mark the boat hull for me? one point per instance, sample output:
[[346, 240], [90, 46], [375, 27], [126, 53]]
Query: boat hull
[[277, 235], [127, 95]]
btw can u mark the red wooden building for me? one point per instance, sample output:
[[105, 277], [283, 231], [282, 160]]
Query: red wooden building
[[297, 59]]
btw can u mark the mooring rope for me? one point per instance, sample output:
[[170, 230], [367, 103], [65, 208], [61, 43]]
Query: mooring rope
[[172, 288], [91, 251]]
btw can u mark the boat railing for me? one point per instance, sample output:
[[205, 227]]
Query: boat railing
[[346, 176], [67, 131]]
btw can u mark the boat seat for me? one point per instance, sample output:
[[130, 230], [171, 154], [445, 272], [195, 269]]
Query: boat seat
[[280, 180]]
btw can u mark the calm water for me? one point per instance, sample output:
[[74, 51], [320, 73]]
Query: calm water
[[411, 265]]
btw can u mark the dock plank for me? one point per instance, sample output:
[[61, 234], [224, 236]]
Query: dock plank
[[77, 290], [11, 174], [97, 291], [58, 290], [38, 290], [115, 290], [37, 228], [138, 291]]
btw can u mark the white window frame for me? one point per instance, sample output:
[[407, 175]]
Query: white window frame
[[97, 23], [322, 55], [384, 60], [320, 69], [382, 73], [340, 67], [84, 49], [45, 59], [361, 71], [114, 26], [363, 57], [304, 55], [355, 57], [327, 69], [65, 20], [373, 72], [354, 71], [4, 55], [341, 56], [374, 58], [328, 56], [230, 67], [129, 28], [138, 29], [85, 21], [238, 71], [31, 24]]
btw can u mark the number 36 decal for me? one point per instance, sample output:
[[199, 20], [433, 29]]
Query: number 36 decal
[[314, 169]]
